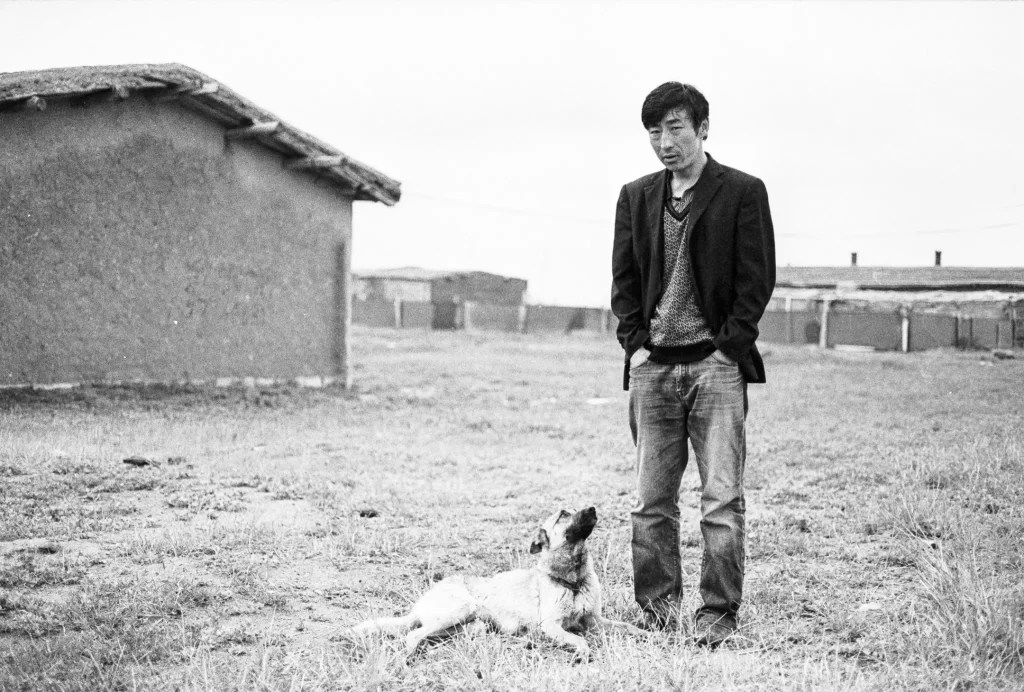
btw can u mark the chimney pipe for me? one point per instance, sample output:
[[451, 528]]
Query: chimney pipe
[[938, 258], [853, 259]]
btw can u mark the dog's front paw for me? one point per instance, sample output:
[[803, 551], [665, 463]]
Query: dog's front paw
[[412, 644]]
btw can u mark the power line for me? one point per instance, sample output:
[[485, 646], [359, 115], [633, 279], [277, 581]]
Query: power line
[[896, 234], [607, 223], [509, 210]]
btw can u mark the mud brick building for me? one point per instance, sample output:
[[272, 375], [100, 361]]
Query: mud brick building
[[157, 226]]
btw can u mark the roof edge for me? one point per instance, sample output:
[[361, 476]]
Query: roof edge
[[213, 100]]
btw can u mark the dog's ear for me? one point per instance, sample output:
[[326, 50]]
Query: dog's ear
[[540, 542]]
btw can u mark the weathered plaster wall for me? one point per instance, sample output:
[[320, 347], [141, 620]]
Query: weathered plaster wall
[[135, 244]]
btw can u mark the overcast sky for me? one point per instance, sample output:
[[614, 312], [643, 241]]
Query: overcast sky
[[889, 129]]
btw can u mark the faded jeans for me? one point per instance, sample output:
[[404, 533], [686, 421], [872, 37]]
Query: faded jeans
[[705, 401]]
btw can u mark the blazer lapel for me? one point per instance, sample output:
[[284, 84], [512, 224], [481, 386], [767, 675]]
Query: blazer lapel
[[706, 187], [655, 197]]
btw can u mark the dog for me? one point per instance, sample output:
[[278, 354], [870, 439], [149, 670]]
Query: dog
[[559, 597]]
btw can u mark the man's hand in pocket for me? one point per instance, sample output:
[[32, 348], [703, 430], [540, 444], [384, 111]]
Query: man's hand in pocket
[[639, 357]]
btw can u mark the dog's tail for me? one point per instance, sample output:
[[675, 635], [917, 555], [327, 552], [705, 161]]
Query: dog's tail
[[391, 626]]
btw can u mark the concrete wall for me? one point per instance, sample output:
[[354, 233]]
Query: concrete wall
[[987, 332], [800, 324], [374, 312], [932, 331], [943, 328], [502, 318], [554, 318], [937, 326], [378, 312], [135, 244], [594, 319], [478, 287], [613, 324], [417, 314], [775, 326]]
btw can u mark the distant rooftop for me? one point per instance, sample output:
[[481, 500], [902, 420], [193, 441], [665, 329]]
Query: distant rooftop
[[420, 274], [904, 278]]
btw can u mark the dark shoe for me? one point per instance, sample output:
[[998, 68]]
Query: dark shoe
[[711, 628]]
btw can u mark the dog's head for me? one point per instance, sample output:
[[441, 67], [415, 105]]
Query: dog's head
[[564, 528]]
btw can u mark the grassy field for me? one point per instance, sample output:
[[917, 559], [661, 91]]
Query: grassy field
[[885, 496]]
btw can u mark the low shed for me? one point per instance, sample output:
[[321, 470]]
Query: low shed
[[412, 296], [157, 226], [897, 308], [439, 286]]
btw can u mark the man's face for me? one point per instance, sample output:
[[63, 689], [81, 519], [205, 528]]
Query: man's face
[[676, 142]]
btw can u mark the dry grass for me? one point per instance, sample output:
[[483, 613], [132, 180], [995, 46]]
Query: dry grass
[[884, 495]]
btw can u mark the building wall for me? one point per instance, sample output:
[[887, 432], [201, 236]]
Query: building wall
[[555, 318], [478, 287], [878, 330], [502, 318], [135, 244], [417, 314], [801, 324], [936, 326], [932, 331], [373, 312], [392, 289]]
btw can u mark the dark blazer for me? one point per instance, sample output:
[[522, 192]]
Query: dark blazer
[[731, 247]]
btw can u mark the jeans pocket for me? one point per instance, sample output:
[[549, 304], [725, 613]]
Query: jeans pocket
[[720, 357], [633, 367]]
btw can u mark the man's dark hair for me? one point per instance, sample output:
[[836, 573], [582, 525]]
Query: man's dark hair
[[670, 96]]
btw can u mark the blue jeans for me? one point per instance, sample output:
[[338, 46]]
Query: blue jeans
[[705, 402]]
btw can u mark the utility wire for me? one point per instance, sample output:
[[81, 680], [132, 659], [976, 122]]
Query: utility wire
[[509, 210], [896, 234], [607, 223]]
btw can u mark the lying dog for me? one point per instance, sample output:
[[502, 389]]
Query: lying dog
[[560, 595]]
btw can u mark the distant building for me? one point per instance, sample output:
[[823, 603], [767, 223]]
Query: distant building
[[157, 226], [438, 299], [1007, 279], [897, 308], [413, 283]]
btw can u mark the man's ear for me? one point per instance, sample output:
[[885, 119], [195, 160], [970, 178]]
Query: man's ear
[[702, 131], [540, 542]]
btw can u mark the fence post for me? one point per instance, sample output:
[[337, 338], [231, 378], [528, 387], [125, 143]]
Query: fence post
[[467, 315], [823, 336], [522, 318], [789, 319], [398, 312], [905, 329]]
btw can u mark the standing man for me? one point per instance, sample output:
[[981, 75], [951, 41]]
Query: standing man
[[693, 268]]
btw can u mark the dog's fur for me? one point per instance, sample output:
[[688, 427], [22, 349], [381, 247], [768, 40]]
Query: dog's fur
[[560, 596]]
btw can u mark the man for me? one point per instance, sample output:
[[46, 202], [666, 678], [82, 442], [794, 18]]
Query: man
[[693, 268]]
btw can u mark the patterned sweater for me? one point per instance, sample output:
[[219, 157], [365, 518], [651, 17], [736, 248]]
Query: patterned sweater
[[677, 320]]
